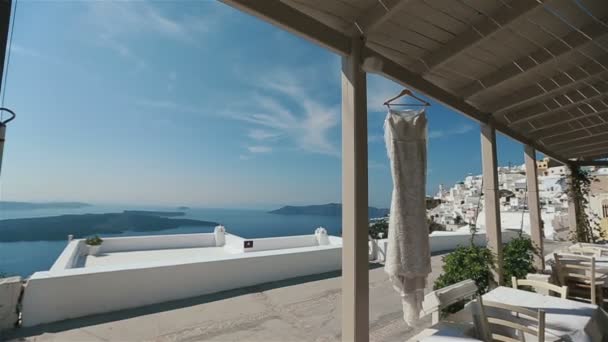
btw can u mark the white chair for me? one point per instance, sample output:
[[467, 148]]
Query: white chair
[[439, 299], [493, 321], [578, 272], [562, 291]]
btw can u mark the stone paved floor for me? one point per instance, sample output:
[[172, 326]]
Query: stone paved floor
[[305, 309]]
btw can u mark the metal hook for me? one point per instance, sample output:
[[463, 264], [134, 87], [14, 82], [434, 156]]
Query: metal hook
[[11, 118]]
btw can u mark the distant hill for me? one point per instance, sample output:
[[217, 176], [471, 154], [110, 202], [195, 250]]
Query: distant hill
[[155, 213], [330, 209], [7, 205], [59, 227]]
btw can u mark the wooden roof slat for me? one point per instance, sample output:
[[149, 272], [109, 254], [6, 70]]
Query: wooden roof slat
[[483, 29], [562, 81], [559, 48], [561, 102], [380, 13]]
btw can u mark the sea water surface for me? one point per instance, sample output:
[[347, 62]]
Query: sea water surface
[[26, 257]]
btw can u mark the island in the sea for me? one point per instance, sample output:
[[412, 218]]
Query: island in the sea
[[8, 205], [330, 209], [59, 227]]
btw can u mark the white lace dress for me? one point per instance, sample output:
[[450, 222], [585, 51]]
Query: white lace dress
[[408, 260]]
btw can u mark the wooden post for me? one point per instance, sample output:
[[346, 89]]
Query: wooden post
[[491, 198], [536, 224], [573, 210], [355, 264]]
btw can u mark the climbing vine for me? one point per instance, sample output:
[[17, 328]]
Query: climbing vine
[[578, 189]]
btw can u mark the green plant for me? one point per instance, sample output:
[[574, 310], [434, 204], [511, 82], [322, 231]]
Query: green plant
[[579, 186], [518, 258], [94, 240], [470, 262], [377, 228]]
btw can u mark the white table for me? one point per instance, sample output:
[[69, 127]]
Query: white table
[[443, 332], [565, 320]]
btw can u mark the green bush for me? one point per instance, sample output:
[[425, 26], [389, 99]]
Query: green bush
[[377, 228], [518, 258], [471, 262]]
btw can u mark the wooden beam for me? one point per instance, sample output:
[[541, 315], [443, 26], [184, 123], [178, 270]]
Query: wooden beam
[[557, 49], [560, 127], [582, 145], [566, 101], [355, 221], [549, 86], [294, 21], [585, 152], [536, 224], [379, 13], [591, 162], [485, 28], [491, 205], [5, 21], [381, 65]]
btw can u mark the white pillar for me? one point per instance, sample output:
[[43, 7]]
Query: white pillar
[[220, 235], [491, 198], [536, 225], [355, 266]]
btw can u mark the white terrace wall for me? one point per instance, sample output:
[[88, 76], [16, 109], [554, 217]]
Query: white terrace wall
[[56, 296], [149, 242], [76, 248], [444, 241], [284, 242]]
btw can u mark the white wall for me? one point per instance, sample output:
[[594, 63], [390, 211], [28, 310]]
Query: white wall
[[447, 241], [69, 256], [74, 293], [283, 242], [142, 243]]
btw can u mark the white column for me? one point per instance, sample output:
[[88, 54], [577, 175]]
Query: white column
[[355, 266], [536, 225], [491, 199]]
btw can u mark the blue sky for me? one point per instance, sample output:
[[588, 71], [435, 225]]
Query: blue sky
[[193, 103]]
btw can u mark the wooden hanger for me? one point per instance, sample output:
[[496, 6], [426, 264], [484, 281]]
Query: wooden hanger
[[406, 92]]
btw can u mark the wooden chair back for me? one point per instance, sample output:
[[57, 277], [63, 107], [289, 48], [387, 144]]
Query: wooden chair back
[[441, 298], [489, 322], [562, 291], [578, 272]]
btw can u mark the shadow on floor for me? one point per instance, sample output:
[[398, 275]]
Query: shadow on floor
[[22, 333]]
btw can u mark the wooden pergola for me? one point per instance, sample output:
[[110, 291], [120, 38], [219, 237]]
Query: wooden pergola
[[534, 70]]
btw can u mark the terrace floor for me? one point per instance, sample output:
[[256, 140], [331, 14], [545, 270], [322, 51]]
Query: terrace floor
[[303, 309]]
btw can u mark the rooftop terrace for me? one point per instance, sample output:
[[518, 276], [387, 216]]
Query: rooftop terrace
[[301, 309]]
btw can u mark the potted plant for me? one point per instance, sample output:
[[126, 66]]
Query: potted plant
[[94, 243]]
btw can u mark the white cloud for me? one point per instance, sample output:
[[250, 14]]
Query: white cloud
[[281, 104], [454, 131], [117, 24], [259, 149], [372, 138], [261, 134], [21, 50]]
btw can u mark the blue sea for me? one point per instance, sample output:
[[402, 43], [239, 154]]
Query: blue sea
[[27, 257]]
